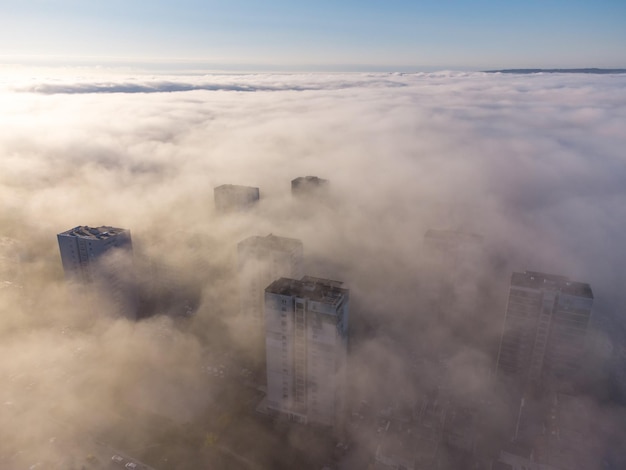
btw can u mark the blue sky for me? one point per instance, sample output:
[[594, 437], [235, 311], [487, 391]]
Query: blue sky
[[337, 34]]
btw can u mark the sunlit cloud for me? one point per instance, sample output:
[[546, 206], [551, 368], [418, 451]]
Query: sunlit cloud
[[534, 164]]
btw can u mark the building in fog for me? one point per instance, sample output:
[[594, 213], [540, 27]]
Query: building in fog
[[452, 263], [260, 261], [545, 327], [306, 186], [82, 248], [232, 198], [101, 256], [306, 343]]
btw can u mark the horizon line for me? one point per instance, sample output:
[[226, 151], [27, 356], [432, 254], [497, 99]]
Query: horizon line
[[190, 64]]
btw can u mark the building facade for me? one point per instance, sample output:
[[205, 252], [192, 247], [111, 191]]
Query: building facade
[[545, 327], [232, 198], [307, 186], [306, 344], [260, 261], [82, 247], [83, 251]]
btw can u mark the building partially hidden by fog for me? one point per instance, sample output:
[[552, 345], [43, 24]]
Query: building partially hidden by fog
[[101, 256], [306, 337], [452, 260], [306, 186], [260, 261], [545, 326], [83, 246], [233, 198]]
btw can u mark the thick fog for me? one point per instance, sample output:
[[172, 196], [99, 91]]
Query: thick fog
[[534, 164]]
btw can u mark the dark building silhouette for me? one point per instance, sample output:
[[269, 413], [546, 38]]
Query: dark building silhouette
[[306, 186]]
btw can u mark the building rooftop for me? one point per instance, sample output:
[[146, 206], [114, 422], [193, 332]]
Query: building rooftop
[[308, 180], [537, 280], [313, 288], [310, 186], [271, 242], [93, 233], [236, 188]]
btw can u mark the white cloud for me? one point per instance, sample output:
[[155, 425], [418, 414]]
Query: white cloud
[[533, 163]]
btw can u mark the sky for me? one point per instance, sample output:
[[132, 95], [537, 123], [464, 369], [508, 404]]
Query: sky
[[532, 163], [322, 35]]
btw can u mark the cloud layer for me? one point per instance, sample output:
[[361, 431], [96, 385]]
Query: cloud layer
[[533, 163]]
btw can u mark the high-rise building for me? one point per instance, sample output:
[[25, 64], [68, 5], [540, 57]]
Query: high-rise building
[[232, 198], [82, 247], [262, 260], [545, 327], [308, 186], [100, 256], [306, 338]]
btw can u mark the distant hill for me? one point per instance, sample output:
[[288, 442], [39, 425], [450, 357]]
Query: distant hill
[[589, 70]]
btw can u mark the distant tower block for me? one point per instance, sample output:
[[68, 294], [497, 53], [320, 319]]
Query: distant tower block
[[307, 186], [262, 260], [101, 256], [233, 198]]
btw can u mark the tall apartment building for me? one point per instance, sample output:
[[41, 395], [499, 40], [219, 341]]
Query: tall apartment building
[[231, 197], [306, 343], [545, 327], [83, 252], [260, 261], [305, 186]]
